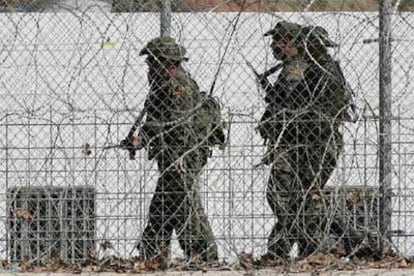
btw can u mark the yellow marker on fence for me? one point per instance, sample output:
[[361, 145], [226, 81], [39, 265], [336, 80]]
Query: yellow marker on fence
[[107, 45]]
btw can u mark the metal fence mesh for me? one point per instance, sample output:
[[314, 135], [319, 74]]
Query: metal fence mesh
[[73, 82]]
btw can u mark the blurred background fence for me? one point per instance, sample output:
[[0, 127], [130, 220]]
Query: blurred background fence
[[72, 82]]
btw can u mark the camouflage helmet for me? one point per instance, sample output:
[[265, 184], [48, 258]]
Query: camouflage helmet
[[300, 33], [165, 47], [286, 29]]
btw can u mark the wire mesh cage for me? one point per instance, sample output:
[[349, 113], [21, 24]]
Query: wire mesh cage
[[51, 222], [357, 211]]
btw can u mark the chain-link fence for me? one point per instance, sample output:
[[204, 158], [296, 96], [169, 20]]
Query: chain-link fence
[[301, 160]]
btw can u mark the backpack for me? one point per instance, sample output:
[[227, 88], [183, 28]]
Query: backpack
[[209, 126], [351, 113]]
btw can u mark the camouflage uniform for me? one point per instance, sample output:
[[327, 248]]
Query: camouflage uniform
[[305, 107], [171, 135]]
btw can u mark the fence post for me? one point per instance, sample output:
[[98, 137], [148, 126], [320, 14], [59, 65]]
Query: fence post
[[385, 159], [165, 17]]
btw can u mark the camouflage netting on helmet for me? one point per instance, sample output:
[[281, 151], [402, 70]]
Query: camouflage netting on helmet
[[164, 47], [301, 33]]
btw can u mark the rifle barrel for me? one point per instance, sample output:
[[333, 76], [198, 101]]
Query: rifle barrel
[[267, 73], [272, 70], [112, 147]]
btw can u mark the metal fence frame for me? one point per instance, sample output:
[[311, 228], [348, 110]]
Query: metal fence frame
[[385, 119]]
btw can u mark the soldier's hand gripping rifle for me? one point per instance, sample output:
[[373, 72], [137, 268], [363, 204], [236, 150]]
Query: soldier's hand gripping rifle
[[127, 143], [262, 78]]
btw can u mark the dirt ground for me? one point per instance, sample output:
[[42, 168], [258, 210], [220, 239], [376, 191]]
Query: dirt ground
[[367, 272], [314, 265]]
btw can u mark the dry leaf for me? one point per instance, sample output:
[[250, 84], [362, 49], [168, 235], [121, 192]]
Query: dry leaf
[[22, 213], [178, 262], [306, 267], [153, 264], [55, 264], [246, 260], [353, 197], [197, 260], [4, 265], [76, 270], [316, 197], [38, 269], [106, 245], [86, 149], [24, 264], [140, 266], [340, 252], [403, 263]]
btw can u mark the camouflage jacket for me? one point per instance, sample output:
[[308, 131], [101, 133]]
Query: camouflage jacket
[[306, 104], [179, 118]]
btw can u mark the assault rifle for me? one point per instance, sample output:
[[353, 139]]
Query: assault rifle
[[262, 78]]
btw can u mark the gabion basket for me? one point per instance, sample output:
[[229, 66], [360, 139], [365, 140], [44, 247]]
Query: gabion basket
[[356, 209], [51, 222]]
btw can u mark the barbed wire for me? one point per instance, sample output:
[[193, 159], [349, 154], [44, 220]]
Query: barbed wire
[[72, 82]]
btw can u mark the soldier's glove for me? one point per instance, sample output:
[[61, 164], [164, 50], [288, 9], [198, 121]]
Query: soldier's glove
[[126, 144]]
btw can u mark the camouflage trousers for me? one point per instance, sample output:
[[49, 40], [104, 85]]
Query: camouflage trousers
[[176, 205], [294, 194]]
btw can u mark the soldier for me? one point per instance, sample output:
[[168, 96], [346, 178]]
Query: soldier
[[181, 126], [304, 110]]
